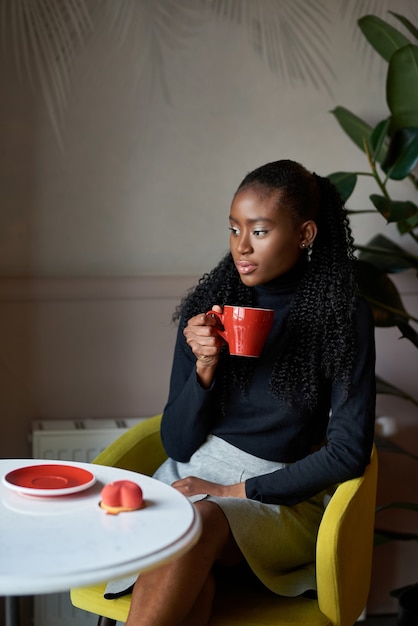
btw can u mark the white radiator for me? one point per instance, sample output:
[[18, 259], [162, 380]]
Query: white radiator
[[68, 440], [76, 440]]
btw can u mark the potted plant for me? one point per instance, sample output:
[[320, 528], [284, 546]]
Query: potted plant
[[391, 155]]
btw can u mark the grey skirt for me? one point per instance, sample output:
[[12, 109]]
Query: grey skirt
[[278, 542]]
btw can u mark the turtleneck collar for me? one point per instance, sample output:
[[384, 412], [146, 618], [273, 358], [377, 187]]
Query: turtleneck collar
[[285, 283]]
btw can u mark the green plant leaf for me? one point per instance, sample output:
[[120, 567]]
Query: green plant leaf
[[385, 388], [382, 536], [382, 294], [383, 37], [405, 506], [344, 182], [394, 210], [403, 20], [408, 332], [378, 140], [385, 301], [358, 130], [408, 225], [387, 255], [402, 154], [402, 88]]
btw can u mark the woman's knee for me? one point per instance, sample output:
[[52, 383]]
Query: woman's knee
[[216, 532], [212, 517], [215, 527]]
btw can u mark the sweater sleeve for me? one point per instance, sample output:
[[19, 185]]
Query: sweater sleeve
[[187, 414], [350, 433]]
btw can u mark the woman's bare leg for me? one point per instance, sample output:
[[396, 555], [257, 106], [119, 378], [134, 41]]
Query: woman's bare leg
[[181, 592], [202, 608]]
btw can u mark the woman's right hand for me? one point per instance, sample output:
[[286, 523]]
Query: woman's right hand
[[205, 344]]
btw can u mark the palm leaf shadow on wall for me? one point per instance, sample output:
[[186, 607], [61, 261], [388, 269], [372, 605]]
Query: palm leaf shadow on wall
[[291, 36]]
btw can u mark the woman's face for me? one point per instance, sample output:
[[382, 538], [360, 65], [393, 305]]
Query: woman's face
[[264, 241]]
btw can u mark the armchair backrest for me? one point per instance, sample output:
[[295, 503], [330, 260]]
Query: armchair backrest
[[139, 449], [345, 548]]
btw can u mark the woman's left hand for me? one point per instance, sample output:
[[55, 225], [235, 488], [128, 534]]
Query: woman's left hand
[[191, 486]]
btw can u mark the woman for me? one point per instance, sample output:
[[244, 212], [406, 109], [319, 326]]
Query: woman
[[260, 441]]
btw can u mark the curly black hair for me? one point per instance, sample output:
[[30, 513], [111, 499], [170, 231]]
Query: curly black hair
[[319, 336]]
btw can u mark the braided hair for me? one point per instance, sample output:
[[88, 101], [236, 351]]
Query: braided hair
[[318, 340]]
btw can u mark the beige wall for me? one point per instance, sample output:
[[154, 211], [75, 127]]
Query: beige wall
[[100, 236], [83, 348]]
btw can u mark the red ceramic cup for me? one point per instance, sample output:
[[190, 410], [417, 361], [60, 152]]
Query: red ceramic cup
[[245, 328]]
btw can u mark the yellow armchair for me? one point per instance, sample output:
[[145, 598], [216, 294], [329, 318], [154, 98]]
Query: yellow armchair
[[343, 554]]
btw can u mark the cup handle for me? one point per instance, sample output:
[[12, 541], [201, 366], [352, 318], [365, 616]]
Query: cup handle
[[220, 316]]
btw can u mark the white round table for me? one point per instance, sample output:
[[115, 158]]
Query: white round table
[[50, 544]]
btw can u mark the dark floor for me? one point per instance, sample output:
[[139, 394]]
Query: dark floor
[[380, 620]]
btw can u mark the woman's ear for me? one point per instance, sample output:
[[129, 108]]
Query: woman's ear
[[308, 231]]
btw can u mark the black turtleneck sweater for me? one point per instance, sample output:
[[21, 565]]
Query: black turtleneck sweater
[[260, 424]]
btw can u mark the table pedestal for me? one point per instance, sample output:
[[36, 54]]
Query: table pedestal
[[12, 610]]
